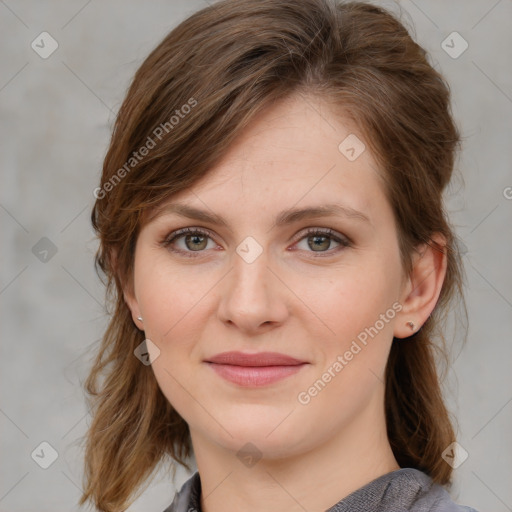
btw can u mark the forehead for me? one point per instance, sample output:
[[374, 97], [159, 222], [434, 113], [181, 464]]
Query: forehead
[[297, 152]]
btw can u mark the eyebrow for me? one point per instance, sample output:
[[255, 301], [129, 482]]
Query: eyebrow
[[285, 217]]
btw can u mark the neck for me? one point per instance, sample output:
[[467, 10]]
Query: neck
[[342, 464]]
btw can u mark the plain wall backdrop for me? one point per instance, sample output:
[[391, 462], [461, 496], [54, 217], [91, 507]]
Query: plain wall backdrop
[[56, 117]]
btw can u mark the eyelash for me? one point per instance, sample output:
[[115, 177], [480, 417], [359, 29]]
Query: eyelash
[[329, 233]]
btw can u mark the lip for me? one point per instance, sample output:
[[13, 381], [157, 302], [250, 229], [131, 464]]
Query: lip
[[254, 370], [257, 359]]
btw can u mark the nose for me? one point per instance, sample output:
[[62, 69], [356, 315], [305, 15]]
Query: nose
[[253, 298]]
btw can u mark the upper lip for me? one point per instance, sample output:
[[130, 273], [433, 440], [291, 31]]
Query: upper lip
[[258, 359]]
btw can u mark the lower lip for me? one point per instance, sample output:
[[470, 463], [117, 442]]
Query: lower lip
[[253, 376]]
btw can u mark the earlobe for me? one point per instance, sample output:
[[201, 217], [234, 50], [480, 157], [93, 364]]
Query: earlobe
[[411, 325], [423, 287]]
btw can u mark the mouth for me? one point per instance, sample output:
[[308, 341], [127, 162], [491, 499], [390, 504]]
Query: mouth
[[254, 370]]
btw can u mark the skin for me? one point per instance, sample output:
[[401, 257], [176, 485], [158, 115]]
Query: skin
[[310, 304]]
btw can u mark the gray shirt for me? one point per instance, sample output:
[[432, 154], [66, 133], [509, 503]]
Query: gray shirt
[[403, 490]]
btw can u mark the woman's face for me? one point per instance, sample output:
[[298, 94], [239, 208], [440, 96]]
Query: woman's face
[[260, 282]]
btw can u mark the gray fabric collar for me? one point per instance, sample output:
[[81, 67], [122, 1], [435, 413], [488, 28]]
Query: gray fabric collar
[[404, 490]]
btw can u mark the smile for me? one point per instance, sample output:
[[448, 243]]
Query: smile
[[254, 376], [253, 370]]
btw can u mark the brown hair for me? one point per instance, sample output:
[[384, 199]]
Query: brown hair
[[188, 101]]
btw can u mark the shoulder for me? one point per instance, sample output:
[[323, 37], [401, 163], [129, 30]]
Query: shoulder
[[404, 490], [428, 496]]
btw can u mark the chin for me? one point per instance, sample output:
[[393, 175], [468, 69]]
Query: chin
[[264, 429]]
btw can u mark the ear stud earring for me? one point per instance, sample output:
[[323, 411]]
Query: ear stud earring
[[411, 325], [139, 318]]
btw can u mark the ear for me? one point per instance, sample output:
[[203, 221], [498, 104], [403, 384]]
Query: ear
[[128, 291], [423, 286], [133, 304], [129, 296]]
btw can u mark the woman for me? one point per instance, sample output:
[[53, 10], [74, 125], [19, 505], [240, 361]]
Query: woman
[[273, 236]]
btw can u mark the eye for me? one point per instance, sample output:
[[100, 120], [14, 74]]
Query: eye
[[190, 242], [320, 241], [194, 240]]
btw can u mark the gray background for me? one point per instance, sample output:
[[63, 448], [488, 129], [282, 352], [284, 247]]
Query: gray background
[[56, 117]]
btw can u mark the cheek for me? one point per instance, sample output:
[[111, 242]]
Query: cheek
[[171, 305], [167, 297], [352, 361], [351, 300], [360, 307]]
